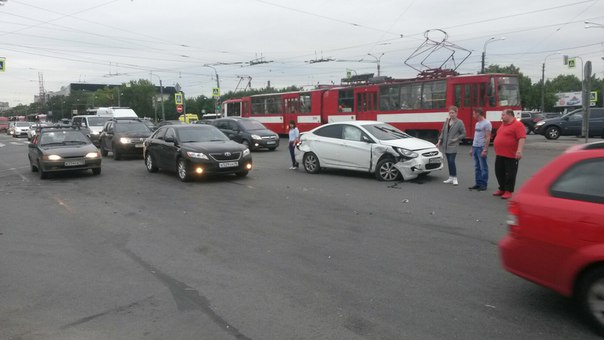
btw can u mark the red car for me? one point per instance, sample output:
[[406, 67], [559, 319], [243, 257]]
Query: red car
[[556, 229]]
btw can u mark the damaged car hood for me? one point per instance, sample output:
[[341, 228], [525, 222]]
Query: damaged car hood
[[409, 143]]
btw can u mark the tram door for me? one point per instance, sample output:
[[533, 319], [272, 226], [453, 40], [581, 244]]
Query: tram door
[[467, 98]]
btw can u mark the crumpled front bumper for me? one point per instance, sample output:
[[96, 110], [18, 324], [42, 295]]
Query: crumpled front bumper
[[412, 168]]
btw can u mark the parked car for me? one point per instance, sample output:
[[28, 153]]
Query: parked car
[[248, 132], [195, 151], [123, 136], [529, 119], [62, 149], [93, 123], [33, 128], [556, 229], [20, 129], [571, 123], [368, 146]]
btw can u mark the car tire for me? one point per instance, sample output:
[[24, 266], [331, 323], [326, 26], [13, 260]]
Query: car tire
[[242, 173], [32, 166], [43, 174], [527, 129], [150, 163], [311, 163], [116, 154], [385, 170], [552, 132], [589, 298], [182, 170], [96, 171]]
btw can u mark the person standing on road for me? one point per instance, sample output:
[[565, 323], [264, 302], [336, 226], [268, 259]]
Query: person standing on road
[[451, 134], [480, 146], [294, 137], [508, 144]]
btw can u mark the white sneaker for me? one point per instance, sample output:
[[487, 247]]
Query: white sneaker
[[455, 181], [450, 180], [292, 168]]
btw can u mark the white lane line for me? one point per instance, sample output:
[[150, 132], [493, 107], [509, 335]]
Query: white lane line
[[25, 179], [2, 145]]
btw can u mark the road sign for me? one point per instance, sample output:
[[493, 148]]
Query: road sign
[[2, 64], [179, 108], [178, 98], [572, 62], [216, 92]]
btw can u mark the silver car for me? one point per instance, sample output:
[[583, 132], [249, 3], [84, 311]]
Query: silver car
[[368, 146]]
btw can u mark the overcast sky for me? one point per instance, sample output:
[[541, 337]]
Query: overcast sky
[[114, 41]]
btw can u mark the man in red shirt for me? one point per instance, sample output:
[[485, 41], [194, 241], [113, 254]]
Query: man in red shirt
[[508, 143]]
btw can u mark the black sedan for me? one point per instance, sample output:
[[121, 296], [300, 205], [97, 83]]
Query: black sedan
[[194, 151], [62, 149]]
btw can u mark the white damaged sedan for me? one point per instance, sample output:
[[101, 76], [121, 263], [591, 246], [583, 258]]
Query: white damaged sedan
[[368, 146]]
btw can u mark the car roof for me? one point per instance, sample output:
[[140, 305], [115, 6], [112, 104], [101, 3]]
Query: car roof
[[358, 122]]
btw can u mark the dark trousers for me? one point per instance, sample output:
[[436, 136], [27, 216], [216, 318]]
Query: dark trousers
[[451, 164], [505, 171], [292, 153]]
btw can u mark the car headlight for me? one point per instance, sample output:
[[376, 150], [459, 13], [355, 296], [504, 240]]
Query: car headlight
[[246, 152], [54, 157], [92, 155], [256, 137], [95, 132], [406, 153], [200, 155], [540, 123], [125, 140]]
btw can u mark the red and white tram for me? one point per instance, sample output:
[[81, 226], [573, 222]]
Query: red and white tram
[[418, 106]]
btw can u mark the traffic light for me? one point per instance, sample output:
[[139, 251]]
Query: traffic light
[[2, 65]]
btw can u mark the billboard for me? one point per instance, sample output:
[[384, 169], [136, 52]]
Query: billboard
[[567, 99]]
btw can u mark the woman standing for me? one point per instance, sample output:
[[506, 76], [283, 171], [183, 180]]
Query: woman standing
[[452, 133], [294, 136]]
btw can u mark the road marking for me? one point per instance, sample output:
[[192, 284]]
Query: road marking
[[25, 179], [61, 203], [1, 145]]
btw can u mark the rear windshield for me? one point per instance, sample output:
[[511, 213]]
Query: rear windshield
[[97, 121]]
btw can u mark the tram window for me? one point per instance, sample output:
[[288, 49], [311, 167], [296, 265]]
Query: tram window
[[258, 106], [305, 103], [390, 98], [458, 95], [345, 100], [415, 96], [434, 95], [508, 91], [482, 95], [292, 105]]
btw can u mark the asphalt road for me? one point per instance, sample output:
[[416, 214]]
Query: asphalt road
[[280, 254]]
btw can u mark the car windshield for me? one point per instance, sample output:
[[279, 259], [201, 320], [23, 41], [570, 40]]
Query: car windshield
[[251, 125], [63, 137], [131, 127], [22, 124], [97, 121], [385, 132], [201, 134]]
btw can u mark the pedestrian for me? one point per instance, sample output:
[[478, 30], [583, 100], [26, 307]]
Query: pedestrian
[[508, 144], [294, 137], [480, 146], [451, 134]]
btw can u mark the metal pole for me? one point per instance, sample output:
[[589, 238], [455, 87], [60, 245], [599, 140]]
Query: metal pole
[[543, 87], [161, 93], [184, 107], [482, 63], [586, 94]]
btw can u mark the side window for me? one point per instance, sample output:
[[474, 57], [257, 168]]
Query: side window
[[582, 182], [305, 103], [170, 134], [331, 131], [233, 126], [351, 133], [160, 134], [110, 127], [345, 100]]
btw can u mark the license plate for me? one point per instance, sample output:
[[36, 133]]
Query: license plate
[[75, 163], [434, 160], [271, 142], [138, 145], [228, 164]]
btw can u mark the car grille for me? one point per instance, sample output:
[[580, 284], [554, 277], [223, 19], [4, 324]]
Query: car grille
[[430, 154], [269, 137], [226, 156], [432, 166]]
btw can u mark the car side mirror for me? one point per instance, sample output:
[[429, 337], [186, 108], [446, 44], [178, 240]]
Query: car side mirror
[[169, 140], [366, 139], [565, 118]]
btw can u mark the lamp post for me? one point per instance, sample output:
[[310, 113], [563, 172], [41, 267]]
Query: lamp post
[[216, 99], [484, 50], [161, 93], [543, 81], [377, 59], [590, 24]]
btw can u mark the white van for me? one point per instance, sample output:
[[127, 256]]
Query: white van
[[116, 112], [94, 123]]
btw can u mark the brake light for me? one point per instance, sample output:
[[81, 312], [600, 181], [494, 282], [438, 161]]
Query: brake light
[[512, 218]]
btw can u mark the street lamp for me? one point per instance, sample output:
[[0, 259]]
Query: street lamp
[[543, 81], [217, 99], [161, 93], [484, 50], [377, 59]]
